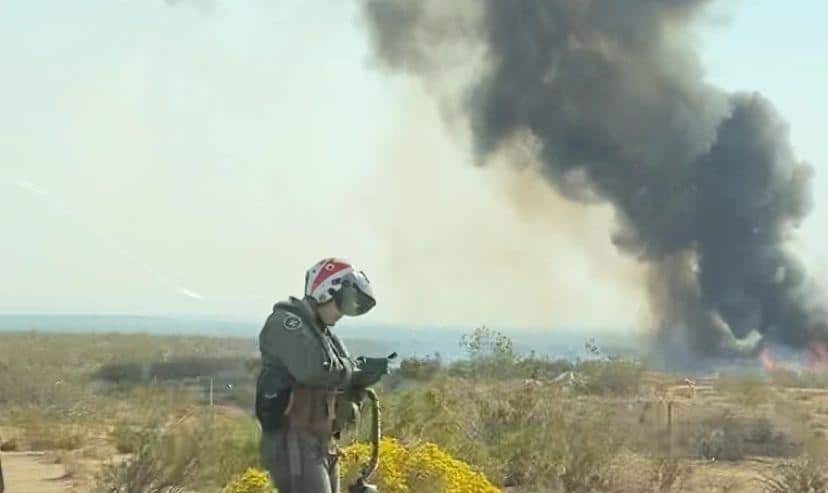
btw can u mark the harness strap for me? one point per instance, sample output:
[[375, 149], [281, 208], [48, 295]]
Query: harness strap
[[289, 406], [311, 409]]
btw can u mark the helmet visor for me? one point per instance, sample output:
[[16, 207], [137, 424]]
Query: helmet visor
[[355, 297], [352, 301]]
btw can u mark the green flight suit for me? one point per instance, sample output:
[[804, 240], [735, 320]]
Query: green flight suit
[[298, 350]]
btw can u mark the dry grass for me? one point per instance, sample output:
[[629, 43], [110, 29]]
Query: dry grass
[[784, 377], [746, 390], [805, 475], [520, 435], [604, 430], [197, 450], [52, 400]]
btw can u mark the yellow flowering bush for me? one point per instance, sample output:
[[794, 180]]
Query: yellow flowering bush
[[252, 481], [420, 469]]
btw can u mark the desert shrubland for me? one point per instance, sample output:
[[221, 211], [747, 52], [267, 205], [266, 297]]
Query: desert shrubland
[[130, 413]]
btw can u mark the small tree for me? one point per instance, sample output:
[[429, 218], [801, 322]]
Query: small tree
[[488, 343], [490, 353]]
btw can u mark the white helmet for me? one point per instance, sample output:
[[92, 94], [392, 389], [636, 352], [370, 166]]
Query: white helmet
[[336, 279]]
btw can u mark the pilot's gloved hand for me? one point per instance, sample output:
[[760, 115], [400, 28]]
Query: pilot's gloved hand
[[369, 371]]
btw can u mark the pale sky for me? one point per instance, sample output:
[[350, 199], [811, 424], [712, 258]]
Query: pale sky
[[196, 158]]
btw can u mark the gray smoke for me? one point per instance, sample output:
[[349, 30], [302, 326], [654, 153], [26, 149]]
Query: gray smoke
[[704, 184]]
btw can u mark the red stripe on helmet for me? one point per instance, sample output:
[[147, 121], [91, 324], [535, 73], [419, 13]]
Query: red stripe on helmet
[[327, 270]]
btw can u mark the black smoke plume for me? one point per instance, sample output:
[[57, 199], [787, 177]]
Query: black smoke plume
[[705, 185]]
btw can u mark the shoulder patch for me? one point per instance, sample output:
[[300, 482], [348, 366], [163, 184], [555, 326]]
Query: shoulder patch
[[292, 322]]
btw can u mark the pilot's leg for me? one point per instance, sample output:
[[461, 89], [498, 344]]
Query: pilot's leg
[[297, 461]]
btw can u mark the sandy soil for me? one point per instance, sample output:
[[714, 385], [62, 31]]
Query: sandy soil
[[26, 472]]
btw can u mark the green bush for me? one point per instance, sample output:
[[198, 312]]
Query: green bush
[[616, 377], [9, 446], [500, 411], [542, 368], [201, 451], [730, 437], [150, 470], [492, 355], [747, 390], [129, 438], [185, 367], [421, 369], [518, 435]]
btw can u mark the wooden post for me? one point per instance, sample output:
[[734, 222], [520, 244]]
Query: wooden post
[[670, 429]]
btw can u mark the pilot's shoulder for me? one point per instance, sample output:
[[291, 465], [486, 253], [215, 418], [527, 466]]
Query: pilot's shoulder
[[287, 317]]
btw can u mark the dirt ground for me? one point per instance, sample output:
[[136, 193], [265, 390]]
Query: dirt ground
[[30, 472]]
